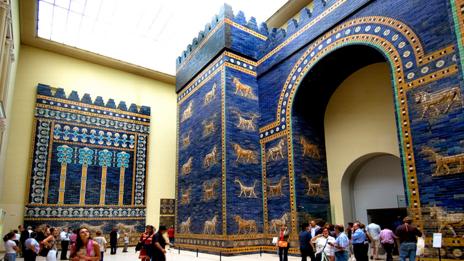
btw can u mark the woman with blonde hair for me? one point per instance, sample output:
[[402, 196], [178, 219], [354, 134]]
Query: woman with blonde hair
[[50, 243]]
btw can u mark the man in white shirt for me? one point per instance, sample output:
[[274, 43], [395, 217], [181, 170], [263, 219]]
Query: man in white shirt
[[64, 236], [374, 232], [314, 228]]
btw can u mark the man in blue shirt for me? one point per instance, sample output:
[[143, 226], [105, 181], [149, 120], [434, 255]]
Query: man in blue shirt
[[358, 239], [342, 244], [306, 248]]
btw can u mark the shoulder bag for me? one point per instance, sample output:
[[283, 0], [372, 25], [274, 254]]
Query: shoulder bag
[[319, 255]]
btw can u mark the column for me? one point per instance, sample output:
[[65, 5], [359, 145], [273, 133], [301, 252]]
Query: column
[[85, 158], [104, 160], [65, 154], [122, 163]]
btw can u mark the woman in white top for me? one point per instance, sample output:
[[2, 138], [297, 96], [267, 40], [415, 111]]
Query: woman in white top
[[324, 244], [10, 247]]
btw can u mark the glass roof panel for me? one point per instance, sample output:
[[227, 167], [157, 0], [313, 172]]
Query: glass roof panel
[[147, 33]]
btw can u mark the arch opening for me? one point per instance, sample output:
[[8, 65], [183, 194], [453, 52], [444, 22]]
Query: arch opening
[[325, 114]]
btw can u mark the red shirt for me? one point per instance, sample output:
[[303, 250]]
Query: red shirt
[[171, 232]]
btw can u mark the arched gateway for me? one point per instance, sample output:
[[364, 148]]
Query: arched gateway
[[251, 103]]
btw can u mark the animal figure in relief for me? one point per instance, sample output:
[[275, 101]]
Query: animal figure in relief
[[208, 127], [187, 167], [127, 228], [276, 152], [185, 226], [244, 155], [186, 140], [243, 89], [275, 190], [246, 226], [277, 223], [246, 123], [209, 189], [210, 226], [246, 191], [447, 220], [209, 96], [314, 188], [438, 102], [210, 158], [185, 196], [93, 228], [445, 165], [309, 149], [187, 113]]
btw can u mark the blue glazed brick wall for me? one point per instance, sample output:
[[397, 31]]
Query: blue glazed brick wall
[[419, 41], [248, 172], [66, 125], [199, 209]]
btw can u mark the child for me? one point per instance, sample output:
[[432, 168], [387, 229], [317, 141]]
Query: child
[[126, 242], [102, 243]]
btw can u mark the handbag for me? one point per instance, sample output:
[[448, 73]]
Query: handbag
[[138, 247], [319, 255], [283, 243]]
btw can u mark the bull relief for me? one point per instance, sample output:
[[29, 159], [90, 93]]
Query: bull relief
[[185, 138], [185, 196], [243, 90], [208, 126], [277, 223], [187, 113], [209, 96], [187, 167], [185, 226], [276, 152], [211, 158], [309, 149], [275, 189], [244, 156], [209, 189], [246, 226], [210, 226]]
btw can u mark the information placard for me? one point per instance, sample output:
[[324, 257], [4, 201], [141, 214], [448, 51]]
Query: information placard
[[437, 240]]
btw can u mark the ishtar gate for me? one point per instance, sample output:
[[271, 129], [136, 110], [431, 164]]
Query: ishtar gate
[[342, 111], [286, 125]]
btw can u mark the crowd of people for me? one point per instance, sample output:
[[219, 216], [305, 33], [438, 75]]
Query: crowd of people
[[323, 242], [327, 242], [44, 240]]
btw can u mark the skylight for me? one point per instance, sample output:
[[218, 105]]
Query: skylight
[[148, 33]]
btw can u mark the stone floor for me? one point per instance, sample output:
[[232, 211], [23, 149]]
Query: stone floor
[[173, 255]]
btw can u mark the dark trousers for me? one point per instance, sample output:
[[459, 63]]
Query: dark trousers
[[360, 251], [113, 248], [64, 249], [159, 256], [29, 255], [389, 250], [283, 253], [307, 252]]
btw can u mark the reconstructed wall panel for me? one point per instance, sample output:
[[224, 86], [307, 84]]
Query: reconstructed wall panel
[[88, 162]]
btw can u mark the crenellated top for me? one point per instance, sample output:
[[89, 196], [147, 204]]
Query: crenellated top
[[226, 14], [46, 90], [306, 15]]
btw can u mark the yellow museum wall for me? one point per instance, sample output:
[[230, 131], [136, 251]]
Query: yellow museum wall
[[39, 66], [359, 120], [7, 102]]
